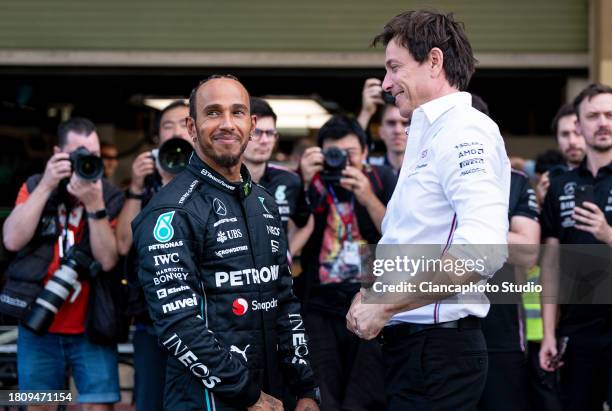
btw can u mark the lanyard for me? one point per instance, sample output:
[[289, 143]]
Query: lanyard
[[347, 220]]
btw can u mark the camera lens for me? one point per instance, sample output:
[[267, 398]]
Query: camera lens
[[86, 165], [174, 155]]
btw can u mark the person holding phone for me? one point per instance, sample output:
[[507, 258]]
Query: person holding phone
[[571, 146], [393, 130], [584, 191]]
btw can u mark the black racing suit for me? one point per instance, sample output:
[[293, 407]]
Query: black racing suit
[[213, 265], [288, 191]]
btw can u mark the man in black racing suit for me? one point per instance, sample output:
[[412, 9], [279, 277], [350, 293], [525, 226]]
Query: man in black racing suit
[[216, 280]]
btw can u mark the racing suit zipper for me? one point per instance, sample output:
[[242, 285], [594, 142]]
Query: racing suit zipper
[[244, 215]]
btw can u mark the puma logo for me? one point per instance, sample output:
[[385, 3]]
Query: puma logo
[[235, 349]]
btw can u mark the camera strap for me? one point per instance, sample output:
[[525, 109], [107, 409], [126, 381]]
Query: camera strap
[[346, 216]]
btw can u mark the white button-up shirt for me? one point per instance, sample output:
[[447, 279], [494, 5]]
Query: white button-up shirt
[[453, 189]]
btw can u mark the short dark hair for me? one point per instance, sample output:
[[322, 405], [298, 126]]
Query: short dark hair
[[419, 31], [193, 96], [548, 159], [340, 126], [479, 104], [260, 108], [565, 110], [589, 92], [79, 125], [171, 106]]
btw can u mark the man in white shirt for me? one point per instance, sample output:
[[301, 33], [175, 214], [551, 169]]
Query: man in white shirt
[[452, 191]]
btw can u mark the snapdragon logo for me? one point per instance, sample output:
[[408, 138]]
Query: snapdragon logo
[[163, 231], [240, 306]]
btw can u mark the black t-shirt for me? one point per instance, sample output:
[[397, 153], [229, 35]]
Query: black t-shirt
[[336, 297], [503, 327], [557, 222], [287, 188]]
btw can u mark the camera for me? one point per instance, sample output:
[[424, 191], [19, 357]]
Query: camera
[[173, 155], [334, 161], [76, 264], [86, 165], [388, 97]]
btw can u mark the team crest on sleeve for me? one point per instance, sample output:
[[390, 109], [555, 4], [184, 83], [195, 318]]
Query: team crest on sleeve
[[163, 231]]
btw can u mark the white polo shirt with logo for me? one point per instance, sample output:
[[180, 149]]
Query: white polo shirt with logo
[[452, 189]]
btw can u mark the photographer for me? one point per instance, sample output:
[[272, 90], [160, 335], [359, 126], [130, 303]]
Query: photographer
[[348, 199], [62, 208], [393, 130], [147, 179]]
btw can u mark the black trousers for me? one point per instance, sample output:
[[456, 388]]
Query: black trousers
[[435, 369], [348, 369], [150, 371], [507, 383], [586, 376], [543, 386]]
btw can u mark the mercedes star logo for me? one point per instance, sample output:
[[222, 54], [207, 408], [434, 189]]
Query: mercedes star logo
[[219, 207]]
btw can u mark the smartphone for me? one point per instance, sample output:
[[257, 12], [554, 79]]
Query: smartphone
[[582, 194], [556, 171], [561, 347]]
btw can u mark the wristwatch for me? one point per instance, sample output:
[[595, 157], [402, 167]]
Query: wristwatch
[[129, 194], [97, 215]]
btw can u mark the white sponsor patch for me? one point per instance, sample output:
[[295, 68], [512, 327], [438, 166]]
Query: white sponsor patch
[[222, 253], [180, 304], [247, 276], [163, 246]]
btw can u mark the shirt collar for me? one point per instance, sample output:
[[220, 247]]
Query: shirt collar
[[435, 108], [584, 170], [206, 173]]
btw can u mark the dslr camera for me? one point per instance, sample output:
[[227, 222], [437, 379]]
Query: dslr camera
[[86, 165], [173, 155], [74, 266], [334, 161]]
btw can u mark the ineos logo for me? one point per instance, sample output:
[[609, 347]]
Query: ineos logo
[[219, 207]]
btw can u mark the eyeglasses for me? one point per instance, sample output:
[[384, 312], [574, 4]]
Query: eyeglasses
[[258, 133]]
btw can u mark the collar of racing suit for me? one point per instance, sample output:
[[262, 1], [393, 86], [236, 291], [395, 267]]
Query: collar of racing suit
[[206, 173]]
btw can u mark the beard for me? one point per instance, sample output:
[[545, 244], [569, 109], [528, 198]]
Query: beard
[[602, 148], [223, 160]]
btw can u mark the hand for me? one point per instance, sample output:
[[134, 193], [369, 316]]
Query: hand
[[355, 181], [142, 166], [58, 167], [542, 188], [88, 192], [306, 404], [593, 221], [311, 163], [548, 350], [371, 96], [366, 320], [266, 403]]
